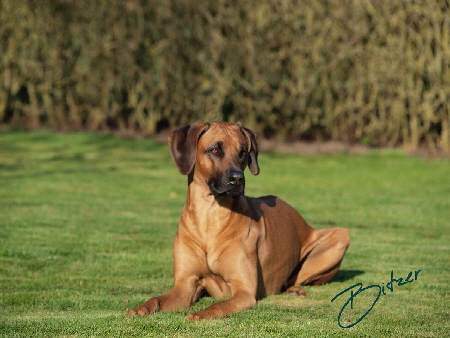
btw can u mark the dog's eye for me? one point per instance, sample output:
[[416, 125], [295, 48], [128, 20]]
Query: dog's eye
[[242, 154], [214, 151]]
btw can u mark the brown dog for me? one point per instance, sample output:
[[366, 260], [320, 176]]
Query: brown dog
[[230, 245]]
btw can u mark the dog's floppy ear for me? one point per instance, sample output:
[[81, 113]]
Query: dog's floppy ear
[[183, 145], [253, 151]]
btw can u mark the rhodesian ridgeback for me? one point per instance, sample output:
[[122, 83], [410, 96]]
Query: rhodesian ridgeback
[[232, 246]]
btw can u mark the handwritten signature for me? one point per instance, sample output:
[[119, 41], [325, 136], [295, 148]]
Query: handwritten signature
[[381, 290]]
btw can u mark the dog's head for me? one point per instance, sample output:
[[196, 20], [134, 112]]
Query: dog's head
[[216, 153]]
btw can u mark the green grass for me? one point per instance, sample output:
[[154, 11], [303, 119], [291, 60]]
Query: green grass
[[87, 223]]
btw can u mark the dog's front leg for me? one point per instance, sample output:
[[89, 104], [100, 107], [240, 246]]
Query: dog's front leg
[[188, 267], [182, 295], [242, 300], [239, 270]]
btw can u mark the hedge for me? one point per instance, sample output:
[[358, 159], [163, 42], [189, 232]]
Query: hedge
[[368, 71]]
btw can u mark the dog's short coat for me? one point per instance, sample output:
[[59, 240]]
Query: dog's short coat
[[230, 245]]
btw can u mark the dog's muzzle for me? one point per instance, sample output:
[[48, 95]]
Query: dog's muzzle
[[232, 184]]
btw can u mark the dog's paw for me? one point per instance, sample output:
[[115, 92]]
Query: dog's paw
[[296, 291], [205, 314], [138, 311], [148, 307], [194, 317]]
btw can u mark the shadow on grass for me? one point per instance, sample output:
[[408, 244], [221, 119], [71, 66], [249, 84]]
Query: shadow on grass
[[345, 275]]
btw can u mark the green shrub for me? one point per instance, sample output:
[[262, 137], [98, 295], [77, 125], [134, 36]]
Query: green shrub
[[370, 71]]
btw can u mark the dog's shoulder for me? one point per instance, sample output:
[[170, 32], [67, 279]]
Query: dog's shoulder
[[271, 203], [269, 200]]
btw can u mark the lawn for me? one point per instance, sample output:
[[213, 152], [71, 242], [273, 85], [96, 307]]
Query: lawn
[[87, 223]]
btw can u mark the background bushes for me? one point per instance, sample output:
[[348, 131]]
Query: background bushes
[[370, 71]]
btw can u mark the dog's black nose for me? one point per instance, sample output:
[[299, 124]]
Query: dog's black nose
[[235, 178]]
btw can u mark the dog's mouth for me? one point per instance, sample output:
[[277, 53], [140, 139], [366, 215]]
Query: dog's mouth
[[218, 188]]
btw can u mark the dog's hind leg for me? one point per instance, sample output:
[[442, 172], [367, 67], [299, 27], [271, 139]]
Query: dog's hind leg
[[320, 258]]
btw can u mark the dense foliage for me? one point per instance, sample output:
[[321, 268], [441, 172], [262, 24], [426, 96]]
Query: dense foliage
[[370, 71]]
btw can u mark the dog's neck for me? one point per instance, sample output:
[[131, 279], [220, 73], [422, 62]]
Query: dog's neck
[[202, 204]]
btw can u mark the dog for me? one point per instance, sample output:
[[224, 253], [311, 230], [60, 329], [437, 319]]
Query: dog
[[232, 246]]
